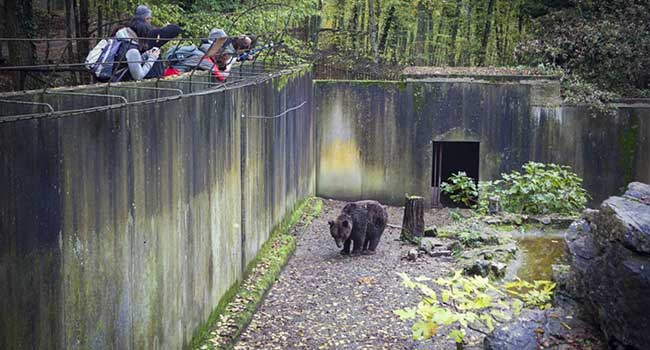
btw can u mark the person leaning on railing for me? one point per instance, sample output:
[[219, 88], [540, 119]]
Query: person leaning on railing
[[244, 42], [224, 57], [137, 60], [141, 45], [157, 36]]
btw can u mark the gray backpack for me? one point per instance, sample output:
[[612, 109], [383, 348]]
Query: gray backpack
[[185, 58]]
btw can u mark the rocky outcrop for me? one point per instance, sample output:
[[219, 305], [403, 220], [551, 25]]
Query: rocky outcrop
[[551, 329], [488, 261], [610, 266]]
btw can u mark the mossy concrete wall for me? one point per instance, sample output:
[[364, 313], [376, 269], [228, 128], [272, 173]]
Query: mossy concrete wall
[[123, 228], [375, 139]]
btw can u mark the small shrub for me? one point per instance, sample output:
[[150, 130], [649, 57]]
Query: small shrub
[[455, 216], [461, 189], [540, 189], [469, 303]]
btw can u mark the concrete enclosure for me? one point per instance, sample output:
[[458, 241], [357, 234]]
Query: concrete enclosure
[[123, 225], [123, 228], [376, 139]]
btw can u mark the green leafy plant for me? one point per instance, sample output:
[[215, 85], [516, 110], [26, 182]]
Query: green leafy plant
[[456, 216], [539, 189], [537, 294], [469, 303], [469, 238], [461, 189], [462, 303], [542, 188], [596, 43]]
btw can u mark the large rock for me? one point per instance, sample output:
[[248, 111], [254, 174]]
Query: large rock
[[536, 329], [610, 266], [488, 261]]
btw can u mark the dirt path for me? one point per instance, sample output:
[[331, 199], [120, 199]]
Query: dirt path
[[323, 300]]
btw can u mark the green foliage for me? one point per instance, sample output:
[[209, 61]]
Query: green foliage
[[541, 189], [461, 189], [461, 303], [469, 238], [576, 90], [411, 239], [456, 216], [598, 42], [464, 303], [538, 294], [627, 143], [434, 32]]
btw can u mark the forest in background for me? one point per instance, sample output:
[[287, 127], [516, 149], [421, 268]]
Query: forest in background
[[599, 47]]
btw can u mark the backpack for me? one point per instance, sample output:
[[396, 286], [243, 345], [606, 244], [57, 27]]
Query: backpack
[[184, 58], [100, 60]]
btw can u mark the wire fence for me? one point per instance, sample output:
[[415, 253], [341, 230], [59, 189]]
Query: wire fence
[[37, 70], [110, 98], [243, 72], [50, 73]]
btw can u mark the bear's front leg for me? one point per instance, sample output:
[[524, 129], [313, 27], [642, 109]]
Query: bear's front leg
[[346, 247], [366, 244], [358, 245]]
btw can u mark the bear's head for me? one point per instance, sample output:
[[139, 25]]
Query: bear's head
[[340, 229]]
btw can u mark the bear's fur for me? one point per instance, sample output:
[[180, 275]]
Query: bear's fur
[[361, 222]]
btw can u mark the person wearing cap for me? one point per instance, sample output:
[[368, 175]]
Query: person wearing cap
[[157, 36], [136, 61], [224, 56]]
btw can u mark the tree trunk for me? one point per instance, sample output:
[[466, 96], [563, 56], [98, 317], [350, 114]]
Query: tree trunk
[[520, 19], [498, 35], [70, 27], [466, 56], [84, 29], [353, 27], [413, 223], [340, 20], [100, 21], [454, 34], [313, 26], [384, 33], [20, 24], [421, 30], [47, 33], [373, 31], [486, 32], [77, 26]]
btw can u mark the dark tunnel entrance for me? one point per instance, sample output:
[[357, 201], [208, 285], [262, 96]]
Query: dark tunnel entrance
[[450, 158]]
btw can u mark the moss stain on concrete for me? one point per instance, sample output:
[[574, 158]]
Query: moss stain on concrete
[[627, 143]]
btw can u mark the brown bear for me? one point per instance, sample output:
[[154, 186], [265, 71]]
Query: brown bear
[[361, 222]]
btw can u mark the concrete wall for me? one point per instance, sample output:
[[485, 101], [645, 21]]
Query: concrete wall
[[123, 228], [375, 139]]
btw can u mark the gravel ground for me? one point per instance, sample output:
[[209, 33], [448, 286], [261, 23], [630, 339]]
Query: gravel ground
[[323, 300]]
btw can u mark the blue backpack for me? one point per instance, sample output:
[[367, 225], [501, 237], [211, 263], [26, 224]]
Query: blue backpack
[[101, 59]]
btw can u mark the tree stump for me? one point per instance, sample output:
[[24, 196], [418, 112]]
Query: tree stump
[[413, 223], [494, 205]]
